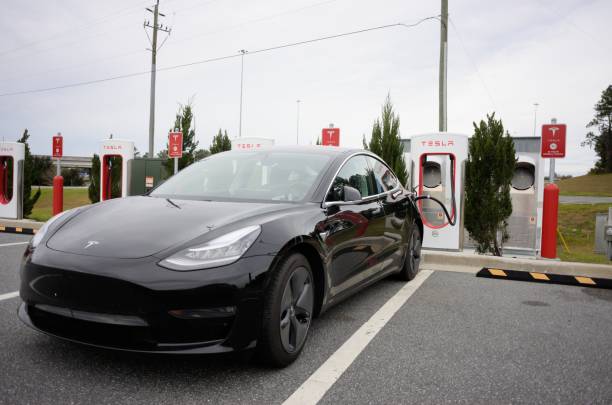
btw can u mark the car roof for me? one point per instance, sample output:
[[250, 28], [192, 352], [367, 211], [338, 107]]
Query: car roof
[[333, 151]]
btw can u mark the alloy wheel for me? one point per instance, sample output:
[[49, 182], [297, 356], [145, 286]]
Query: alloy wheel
[[296, 309]]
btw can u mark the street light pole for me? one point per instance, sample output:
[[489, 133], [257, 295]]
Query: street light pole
[[243, 52], [297, 131], [535, 117]]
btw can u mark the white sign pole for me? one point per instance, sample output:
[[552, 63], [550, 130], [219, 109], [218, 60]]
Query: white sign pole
[[175, 165], [551, 173]]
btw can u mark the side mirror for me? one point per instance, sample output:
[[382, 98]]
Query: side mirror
[[350, 194]]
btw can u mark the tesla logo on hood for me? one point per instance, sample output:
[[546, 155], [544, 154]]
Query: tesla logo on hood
[[91, 243]]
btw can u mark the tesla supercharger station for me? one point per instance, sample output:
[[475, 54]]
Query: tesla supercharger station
[[12, 156], [250, 143], [436, 164], [527, 194], [110, 149]]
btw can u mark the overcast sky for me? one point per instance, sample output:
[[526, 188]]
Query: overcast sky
[[503, 57]]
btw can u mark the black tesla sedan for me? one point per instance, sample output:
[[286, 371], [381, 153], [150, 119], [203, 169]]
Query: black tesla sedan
[[240, 250]]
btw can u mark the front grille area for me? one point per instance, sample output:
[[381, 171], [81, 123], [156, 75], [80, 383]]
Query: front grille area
[[120, 336], [163, 334], [115, 313]]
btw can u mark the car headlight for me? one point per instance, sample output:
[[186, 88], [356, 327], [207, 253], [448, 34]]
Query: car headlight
[[40, 234], [223, 250]]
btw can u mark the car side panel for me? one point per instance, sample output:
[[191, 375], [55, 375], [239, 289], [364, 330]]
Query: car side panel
[[353, 236]]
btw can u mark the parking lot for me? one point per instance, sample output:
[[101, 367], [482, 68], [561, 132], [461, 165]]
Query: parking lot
[[456, 338]]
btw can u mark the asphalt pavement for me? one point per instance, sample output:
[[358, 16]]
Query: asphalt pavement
[[457, 338]]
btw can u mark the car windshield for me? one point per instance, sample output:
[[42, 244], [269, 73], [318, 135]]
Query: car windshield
[[254, 175]]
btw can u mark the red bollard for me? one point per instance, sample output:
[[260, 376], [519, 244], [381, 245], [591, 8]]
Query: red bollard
[[58, 194], [549, 221]]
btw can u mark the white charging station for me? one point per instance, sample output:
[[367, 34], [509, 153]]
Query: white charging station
[[250, 143], [12, 156], [527, 194], [109, 149], [436, 165]]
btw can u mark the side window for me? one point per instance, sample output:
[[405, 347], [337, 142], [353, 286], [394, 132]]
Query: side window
[[355, 173], [384, 178]]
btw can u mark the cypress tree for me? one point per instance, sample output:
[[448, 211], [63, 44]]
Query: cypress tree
[[94, 177], [489, 171], [386, 141], [220, 143], [28, 177]]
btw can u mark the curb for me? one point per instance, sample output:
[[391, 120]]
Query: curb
[[24, 227], [473, 263], [16, 229], [545, 278]]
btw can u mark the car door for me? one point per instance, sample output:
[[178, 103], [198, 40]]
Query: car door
[[353, 231], [395, 202]]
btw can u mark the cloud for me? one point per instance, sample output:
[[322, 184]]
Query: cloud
[[517, 53]]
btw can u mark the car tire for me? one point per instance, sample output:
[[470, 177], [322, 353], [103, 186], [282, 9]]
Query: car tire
[[412, 259], [287, 312]]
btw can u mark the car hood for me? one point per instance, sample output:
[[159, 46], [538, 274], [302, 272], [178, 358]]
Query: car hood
[[136, 227]]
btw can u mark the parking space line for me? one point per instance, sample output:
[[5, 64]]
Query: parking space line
[[315, 387], [9, 295], [13, 244]]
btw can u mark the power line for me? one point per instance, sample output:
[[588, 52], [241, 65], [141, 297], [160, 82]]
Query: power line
[[72, 66], [256, 20], [220, 58], [69, 30], [473, 62], [584, 32]]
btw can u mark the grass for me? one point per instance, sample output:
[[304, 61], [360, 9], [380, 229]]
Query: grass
[[589, 185], [73, 197], [577, 225]]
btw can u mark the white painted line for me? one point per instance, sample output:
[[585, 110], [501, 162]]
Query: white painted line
[[14, 244], [9, 295], [315, 387]]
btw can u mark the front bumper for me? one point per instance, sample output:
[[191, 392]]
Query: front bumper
[[144, 307]]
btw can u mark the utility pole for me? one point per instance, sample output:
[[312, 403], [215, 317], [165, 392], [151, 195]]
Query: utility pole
[[443, 67], [535, 117], [156, 27], [297, 130], [243, 52]]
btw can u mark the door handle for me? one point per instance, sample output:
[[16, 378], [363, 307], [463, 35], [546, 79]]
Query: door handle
[[374, 211]]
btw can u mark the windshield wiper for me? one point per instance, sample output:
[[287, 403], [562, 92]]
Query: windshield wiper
[[171, 202]]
